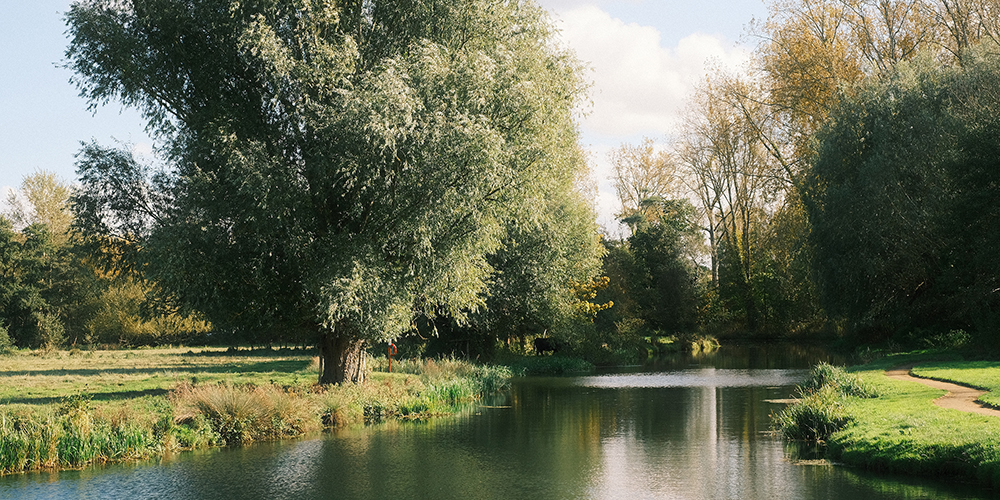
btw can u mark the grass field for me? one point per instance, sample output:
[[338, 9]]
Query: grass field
[[72, 408], [34, 377], [901, 430]]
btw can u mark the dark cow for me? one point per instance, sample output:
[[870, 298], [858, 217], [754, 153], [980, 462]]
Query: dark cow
[[546, 344]]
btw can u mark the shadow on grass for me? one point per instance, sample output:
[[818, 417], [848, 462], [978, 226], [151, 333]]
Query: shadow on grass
[[94, 396], [284, 366]]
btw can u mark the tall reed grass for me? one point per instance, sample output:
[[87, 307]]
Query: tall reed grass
[[74, 435], [820, 410], [242, 414]]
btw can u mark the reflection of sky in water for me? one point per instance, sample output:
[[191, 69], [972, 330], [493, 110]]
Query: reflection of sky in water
[[699, 377], [295, 472], [696, 433]]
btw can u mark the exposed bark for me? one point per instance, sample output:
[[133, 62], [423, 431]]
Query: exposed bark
[[342, 358]]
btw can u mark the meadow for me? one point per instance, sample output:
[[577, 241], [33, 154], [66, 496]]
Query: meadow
[[67, 409]]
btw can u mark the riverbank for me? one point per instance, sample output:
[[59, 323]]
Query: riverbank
[[70, 409], [897, 427]]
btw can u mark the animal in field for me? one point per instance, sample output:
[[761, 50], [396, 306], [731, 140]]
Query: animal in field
[[546, 344]]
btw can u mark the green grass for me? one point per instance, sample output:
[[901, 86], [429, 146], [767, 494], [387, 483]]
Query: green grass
[[556, 364], [62, 410], [34, 377], [822, 408], [983, 375], [902, 431]]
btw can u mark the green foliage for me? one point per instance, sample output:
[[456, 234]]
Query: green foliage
[[899, 200], [358, 162], [6, 344], [653, 279]]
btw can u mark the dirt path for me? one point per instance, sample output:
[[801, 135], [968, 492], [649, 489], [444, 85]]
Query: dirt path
[[959, 397]]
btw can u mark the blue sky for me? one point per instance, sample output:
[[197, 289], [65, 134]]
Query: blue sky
[[645, 55]]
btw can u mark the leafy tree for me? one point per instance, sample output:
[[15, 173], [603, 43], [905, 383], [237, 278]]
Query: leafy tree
[[532, 290], [10, 276], [34, 288], [43, 198], [901, 218], [653, 276], [331, 167]]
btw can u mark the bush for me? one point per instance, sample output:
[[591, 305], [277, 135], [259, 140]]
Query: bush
[[50, 333], [6, 344]]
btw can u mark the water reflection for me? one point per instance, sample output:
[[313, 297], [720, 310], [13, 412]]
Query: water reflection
[[691, 433]]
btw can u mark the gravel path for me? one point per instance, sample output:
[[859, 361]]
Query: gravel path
[[959, 397]]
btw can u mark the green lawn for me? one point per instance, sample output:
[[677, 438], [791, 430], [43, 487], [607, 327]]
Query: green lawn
[[983, 375], [903, 431], [32, 377]]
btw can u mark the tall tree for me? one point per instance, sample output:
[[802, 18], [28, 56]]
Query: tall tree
[[337, 167], [642, 172], [901, 219], [736, 183]]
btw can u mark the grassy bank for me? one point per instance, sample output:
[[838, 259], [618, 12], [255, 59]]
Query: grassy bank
[[894, 425], [63, 410]]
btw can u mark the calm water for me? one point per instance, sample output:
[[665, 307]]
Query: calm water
[[682, 428]]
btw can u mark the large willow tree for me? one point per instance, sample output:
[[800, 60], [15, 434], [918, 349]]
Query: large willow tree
[[338, 167]]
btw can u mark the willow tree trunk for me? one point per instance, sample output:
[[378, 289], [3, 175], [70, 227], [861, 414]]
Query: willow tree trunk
[[342, 358]]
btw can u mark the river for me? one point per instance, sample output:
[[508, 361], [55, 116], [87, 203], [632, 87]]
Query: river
[[681, 428]]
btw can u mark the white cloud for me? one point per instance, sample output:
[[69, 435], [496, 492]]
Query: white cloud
[[639, 85]]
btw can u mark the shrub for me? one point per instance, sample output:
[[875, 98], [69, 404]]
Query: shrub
[[6, 344]]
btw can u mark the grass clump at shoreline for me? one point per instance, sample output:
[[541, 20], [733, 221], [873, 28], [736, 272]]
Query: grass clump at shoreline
[[242, 414], [416, 389], [59, 412], [902, 431], [555, 364], [75, 434], [821, 409]]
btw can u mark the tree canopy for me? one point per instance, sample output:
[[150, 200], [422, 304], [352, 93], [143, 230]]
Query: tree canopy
[[338, 167], [905, 186]]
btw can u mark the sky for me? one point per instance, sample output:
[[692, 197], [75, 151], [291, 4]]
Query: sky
[[644, 58]]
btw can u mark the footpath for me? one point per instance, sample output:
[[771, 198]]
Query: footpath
[[958, 397]]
